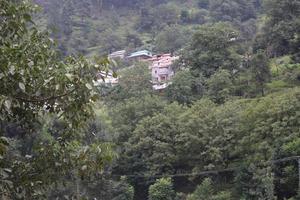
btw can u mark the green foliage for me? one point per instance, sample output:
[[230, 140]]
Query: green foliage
[[209, 132], [56, 137], [162, 189], [207, 136], [212, 48], [259, 66], [124, 191], [220, 86], [206, 191], [33, 76], [232, 10], [292, 147], [85, 27], [271, 119], [102, 187], [133, 82], [277, 85], [171, 39], [185, 88], [203, 191], [291, 74], [254, 183], [127, 114], [180, 196], [194, 16], [111, 41], [166, 14], [35, 84], [156, 19], [153, 141], [280, 35]]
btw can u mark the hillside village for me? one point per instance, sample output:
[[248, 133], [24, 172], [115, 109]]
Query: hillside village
[[160, 66], [96, 105]]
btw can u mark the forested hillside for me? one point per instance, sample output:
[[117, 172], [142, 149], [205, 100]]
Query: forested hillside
[[225, 127], [95, 27]]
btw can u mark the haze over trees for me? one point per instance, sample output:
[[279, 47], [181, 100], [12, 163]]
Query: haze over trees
[[227, 128]]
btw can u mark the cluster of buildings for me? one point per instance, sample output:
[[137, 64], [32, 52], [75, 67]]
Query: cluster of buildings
[[160, 66]]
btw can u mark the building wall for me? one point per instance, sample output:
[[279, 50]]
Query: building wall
[[117, 54], [162, 68], [160, 74]]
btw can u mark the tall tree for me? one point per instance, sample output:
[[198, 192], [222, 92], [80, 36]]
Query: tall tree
[[162, 190], [35, 85], [281, 31], [260, 69], [185, 88], [171, 39], [206, 191], [212, 48], [220, 86]]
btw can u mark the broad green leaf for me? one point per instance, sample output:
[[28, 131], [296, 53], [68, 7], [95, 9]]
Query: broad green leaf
[[88, 86], [31, 63], [22, 87], [7, 104], [84, 167], [115, 75], [4, 140], [12, 69], [69, 76], [27, 17], [95, 97]]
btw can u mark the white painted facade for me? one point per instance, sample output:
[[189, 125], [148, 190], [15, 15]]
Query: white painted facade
[[162, 71]]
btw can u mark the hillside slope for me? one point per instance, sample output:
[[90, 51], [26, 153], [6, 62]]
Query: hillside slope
[[94, 27]]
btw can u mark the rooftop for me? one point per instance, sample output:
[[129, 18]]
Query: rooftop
[[140, 53], [115, 54], [118, 52]]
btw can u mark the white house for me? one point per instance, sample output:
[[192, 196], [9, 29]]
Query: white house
[[106, 78], [118, 54], [161, 70]]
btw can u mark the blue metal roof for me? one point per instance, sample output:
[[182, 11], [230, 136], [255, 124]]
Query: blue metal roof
[[140, 53]]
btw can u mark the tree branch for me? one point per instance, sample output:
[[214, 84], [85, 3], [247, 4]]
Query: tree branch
[[37, 100]]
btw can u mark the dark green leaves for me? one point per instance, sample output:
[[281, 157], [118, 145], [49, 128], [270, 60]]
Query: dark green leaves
[[37, 85], [212, 47]]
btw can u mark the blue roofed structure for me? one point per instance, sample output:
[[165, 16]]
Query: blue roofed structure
[[143, 54]]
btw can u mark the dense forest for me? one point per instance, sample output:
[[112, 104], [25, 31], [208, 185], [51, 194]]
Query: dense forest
[[101, 26], [226, 128]]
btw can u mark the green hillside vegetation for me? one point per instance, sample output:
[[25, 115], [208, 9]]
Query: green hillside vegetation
[[227, 128], [161, 26]]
